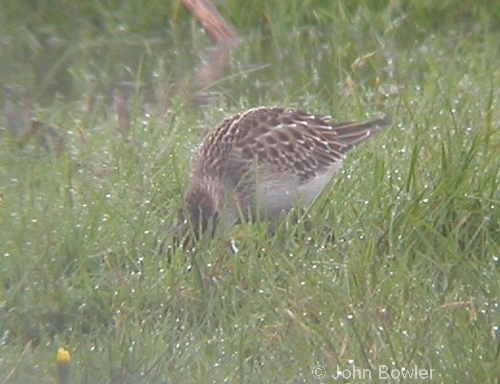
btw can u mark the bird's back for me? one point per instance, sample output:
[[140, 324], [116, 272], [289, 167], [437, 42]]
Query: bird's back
[[283, 140]]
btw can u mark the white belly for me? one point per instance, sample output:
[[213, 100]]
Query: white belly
[[280, 194]]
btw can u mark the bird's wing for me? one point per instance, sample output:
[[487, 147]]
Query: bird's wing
[[295, 142]]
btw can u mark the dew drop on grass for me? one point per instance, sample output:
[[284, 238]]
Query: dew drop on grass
[[131, 347], [495, 332]]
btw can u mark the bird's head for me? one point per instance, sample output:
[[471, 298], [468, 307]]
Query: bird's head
[[202, 212]]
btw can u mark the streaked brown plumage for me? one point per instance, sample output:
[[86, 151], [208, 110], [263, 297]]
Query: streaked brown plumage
[[264, 161]]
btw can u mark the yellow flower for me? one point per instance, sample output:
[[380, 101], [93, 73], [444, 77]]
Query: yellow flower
[[63, 361]]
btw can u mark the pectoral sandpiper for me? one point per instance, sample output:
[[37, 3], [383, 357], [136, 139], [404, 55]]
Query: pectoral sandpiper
[[264, 162]]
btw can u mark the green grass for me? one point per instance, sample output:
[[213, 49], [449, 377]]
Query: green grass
[[412, 277]]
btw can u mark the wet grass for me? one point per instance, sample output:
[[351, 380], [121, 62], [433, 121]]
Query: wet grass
[[412, 277]]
